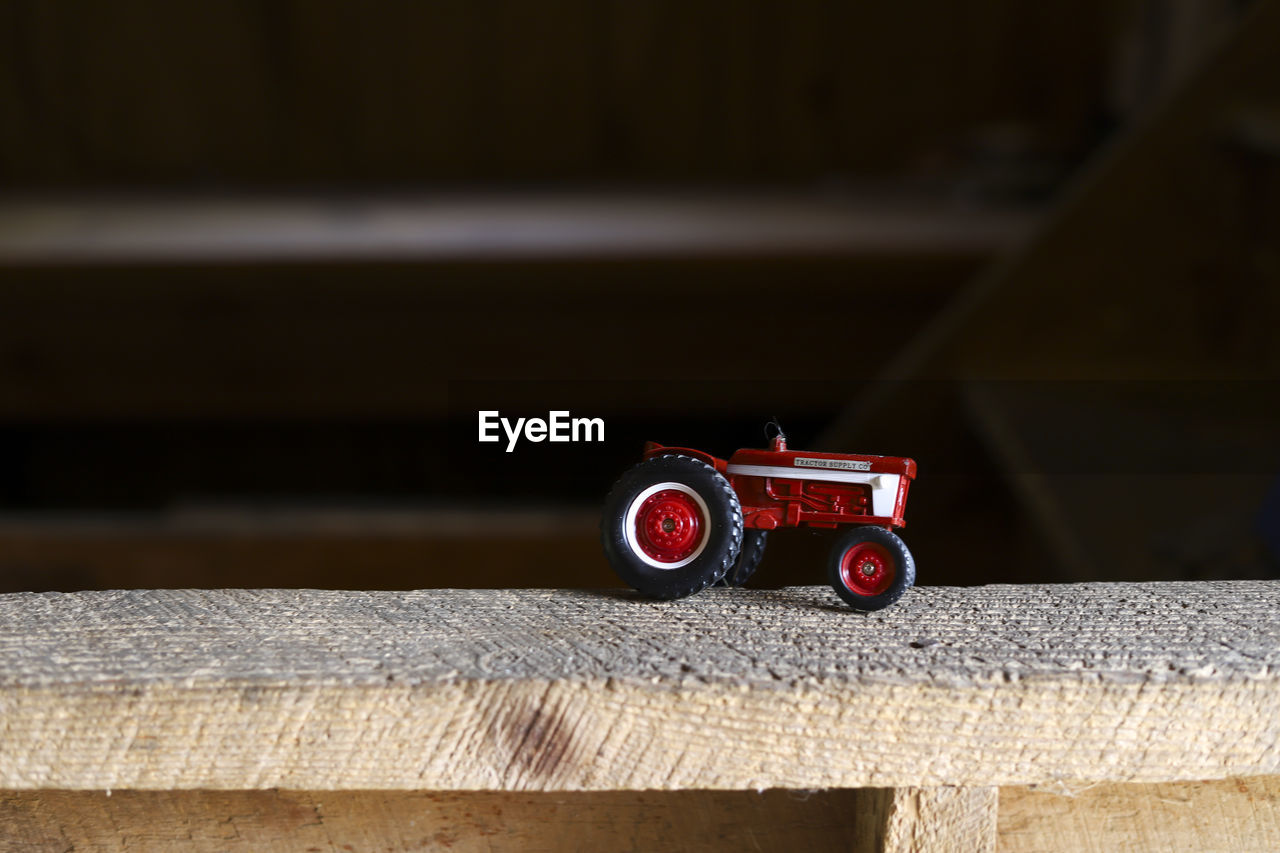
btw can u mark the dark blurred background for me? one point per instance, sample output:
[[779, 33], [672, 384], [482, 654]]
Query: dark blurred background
[[261, 263]]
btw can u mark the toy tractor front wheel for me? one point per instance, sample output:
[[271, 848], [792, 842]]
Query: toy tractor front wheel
[[870, 568], [672, 526]]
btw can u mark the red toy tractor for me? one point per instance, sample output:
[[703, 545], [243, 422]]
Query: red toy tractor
[[682, 519]]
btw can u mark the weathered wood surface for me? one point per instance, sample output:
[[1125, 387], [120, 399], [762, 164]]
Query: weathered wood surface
[[939, 820], [290, 821], [1240, 815], [564, 690], [1236, 815]]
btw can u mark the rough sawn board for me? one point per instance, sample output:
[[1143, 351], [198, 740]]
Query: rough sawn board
[[560, 690]]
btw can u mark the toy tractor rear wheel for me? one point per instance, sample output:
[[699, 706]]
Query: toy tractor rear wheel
[[672, 526], [749, 557], [870, 568]]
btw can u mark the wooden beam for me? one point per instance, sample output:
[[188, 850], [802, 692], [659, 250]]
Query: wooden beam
[[940, 820], [493, 227], [578, 690], [1236, 815], [288, 821], [1240, 815]]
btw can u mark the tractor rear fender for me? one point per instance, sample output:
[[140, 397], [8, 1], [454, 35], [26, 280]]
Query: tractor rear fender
[[652, 449]]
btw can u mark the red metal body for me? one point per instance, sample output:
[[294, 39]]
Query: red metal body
[[787, 488]]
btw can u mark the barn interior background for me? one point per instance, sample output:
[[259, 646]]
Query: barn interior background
[[262, 262]]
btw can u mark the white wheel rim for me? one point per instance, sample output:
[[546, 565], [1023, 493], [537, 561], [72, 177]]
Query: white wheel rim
[[633, 509]]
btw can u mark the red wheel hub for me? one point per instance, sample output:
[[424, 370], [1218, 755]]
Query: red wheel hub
[[867, 568], [669, 526]]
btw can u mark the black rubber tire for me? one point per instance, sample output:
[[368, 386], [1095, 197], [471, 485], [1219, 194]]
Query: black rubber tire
[[903, 565], [723, 527], [749, 556]]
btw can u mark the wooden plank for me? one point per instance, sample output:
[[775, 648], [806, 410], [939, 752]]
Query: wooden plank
[[940, 820], [578, 690], [494, 227], [269, 821], [1238, 815]]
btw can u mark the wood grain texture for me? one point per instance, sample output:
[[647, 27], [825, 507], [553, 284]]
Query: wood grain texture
[[1239, 815], [269, 821], [567, 690], [940, 820]]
